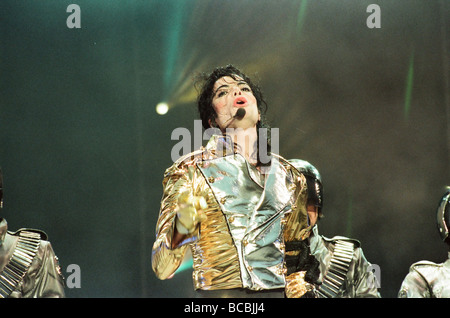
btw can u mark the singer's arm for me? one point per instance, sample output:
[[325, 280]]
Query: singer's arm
[[170, 246]]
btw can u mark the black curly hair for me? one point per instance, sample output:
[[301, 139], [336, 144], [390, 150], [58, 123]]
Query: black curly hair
[[206, 93]]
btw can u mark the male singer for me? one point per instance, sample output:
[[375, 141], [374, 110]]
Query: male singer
[[234, 203]]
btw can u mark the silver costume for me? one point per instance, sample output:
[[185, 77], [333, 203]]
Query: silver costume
[[344, 270], [427, 279], [353, 278], [28, 266]]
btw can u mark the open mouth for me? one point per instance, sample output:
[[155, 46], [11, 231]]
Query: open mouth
[[240, 102]]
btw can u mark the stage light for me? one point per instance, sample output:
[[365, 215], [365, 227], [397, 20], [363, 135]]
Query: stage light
[[162, 108]]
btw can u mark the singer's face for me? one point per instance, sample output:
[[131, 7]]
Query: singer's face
[[228, 96]]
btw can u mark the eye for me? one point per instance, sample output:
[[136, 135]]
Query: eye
[[244, 87], [221, 93]]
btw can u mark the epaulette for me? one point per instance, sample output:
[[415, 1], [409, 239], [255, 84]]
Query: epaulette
[[336, 275], [191, 155], [291, 162], [305, 167], [43, 235], [27, 246], [334, 239], [297, 163], [180, 161], [425, 263]]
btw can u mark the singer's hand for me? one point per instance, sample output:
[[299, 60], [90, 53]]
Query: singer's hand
[[190, 213]]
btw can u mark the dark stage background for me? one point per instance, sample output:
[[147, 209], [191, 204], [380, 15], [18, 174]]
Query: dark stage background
[[83, 150]]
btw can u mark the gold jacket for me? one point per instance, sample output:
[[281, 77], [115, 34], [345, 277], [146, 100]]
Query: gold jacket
[[28, 266], [249, 218]]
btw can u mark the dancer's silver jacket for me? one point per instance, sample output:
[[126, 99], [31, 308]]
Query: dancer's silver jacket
[[360, 280], [427, 280], [29, 267]]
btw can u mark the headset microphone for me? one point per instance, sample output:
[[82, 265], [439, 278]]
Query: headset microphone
[[240, 113]]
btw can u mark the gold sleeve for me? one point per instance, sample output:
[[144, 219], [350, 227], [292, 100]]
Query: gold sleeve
[[215, 259], [165, 259], [297, 227]]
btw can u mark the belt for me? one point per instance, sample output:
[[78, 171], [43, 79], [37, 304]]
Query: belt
[[338, 269], [19, 263]]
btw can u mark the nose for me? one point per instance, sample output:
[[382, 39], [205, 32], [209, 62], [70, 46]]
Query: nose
[[237, 91]]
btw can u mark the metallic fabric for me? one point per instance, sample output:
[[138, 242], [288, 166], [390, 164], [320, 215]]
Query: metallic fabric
[[337, 271], [43, 277], [20, 261], [443, 216], [1, 189], [296, 286], [249, 217], [3, 230], [427, 280], [360, 281]]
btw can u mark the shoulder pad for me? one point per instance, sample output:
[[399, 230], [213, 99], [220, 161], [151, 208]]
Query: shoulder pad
[[278, 157], [306, 168], [342, 238], [283, 161], [298, 163], [183, 160], [43, 235], [424, 263], [191, 156]]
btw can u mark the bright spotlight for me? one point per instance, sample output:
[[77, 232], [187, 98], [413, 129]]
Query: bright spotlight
[[162, 108]]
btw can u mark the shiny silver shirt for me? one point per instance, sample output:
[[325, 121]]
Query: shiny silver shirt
[[360, 281], [427, 280]]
